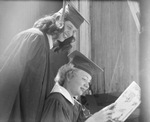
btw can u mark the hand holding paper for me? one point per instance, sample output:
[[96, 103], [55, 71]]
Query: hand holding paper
[[103, 115], [123, 107]]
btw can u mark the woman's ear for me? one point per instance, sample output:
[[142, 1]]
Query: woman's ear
[[59, 23], [69, 75], [57, 18]]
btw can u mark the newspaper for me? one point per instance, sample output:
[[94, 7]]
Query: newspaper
[[127, 102]]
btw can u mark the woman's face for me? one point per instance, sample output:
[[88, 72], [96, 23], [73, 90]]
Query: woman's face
[[80, 82], [69, 30]]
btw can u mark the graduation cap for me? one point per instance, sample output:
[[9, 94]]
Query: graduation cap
[[82, 62], [71, 13]]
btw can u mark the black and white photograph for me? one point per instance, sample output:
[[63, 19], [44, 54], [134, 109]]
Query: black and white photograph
[[74, 61]]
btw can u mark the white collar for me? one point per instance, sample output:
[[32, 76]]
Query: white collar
[[50, 41], [63, 91]]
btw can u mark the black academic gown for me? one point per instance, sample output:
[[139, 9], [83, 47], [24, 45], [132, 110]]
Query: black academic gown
[[58, 109], [56, 61], [24, 73]]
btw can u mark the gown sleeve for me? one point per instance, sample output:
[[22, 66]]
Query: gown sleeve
[[55, 112], [12, 65]]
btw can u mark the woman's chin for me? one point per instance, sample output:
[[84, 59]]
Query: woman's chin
[[81, 93]]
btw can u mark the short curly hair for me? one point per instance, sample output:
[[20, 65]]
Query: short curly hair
[[62, 72], [47, 24]]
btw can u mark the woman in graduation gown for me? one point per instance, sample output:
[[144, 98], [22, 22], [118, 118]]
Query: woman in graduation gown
[[25, 68], [72, 80]]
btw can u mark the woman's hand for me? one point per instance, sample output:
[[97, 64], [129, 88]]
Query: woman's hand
[[104, 115]]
